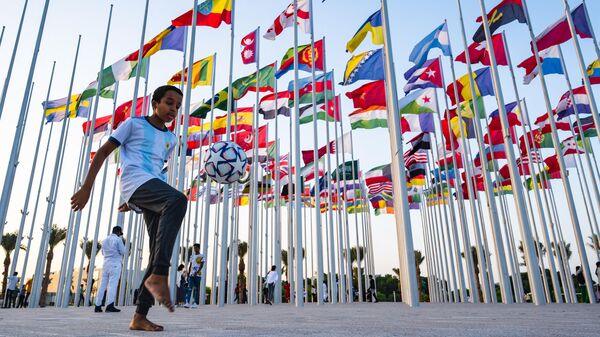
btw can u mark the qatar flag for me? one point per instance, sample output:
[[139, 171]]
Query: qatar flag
[[249, 48]]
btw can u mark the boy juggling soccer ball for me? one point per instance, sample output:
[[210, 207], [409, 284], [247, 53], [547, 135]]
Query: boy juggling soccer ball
[[146, 145]]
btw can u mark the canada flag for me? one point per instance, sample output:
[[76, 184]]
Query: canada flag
[[249, 48]]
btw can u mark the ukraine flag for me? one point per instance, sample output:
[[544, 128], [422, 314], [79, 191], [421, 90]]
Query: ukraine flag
[[373, 25]]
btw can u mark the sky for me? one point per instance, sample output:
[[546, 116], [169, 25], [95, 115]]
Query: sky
[[333, 19]]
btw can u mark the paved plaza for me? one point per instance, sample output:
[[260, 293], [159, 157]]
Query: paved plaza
[[381, 319]]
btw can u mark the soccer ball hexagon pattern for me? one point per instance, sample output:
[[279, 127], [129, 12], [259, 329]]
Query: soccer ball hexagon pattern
[[226, 162]]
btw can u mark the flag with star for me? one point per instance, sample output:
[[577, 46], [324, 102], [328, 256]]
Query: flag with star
[[417, 102], [428, 76]]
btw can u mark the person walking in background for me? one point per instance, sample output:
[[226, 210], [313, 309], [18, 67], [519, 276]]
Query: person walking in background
[[182, 284], [272, 278], [195, 273], [21, 300], [113, 250], [11, 290], [372, 290]]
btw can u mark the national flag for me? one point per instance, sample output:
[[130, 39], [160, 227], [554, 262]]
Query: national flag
[[512, 114], [422, 122], [267, 105], [543, 122], [378, 174], [420, 142], [172, 38], [372, 25], [570, 149], [346, 171], [551, 64], [332, 115], [593, 72], [55, 110], [305, 89], [344, 143], [559, 32], [101, 126], [209, 13], [372, 93], [417, 102], [202, 73], [427, 76], [468, 109], [364, 66], [587, 124], [249, 48], [483, 86], [493, 152], [286, 19], [436, 39], [414, 157], [478, 52], [305, 60], [245, 138], [537, 140], [219, 101], [566, 106], [201, 138], [123, 111], [92, 88], [416, 174], [122, 70], [242, 85], [505, 12], [241, 120], [497, 137], [308, 155], [369, 118], [455, 124], [446, 158]]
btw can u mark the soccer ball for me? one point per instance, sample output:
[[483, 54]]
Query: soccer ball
[[226, 162]]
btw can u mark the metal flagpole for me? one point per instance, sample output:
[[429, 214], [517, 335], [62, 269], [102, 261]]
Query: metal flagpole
[[298, 176], [316, 156], [277, 224], [403, 226], [342, 207], [120, 216], [16, 148], [359, 256], [225, 222], [84, 243], [184, 137], [563, 170], [138, 70], [207, 194], [533, 272], [25, 211], [12, 61], [491, 202], [2, 34], [86, 160], [215, 266], [461, 201], [35, 296]]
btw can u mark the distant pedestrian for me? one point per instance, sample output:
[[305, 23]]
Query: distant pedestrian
[[325, 292], [272, 278], [580, 278], [21, 300], [195, 272], [113, 250], [372, 290], [182, 283], [11, 290], [81, 296], [598, 284]]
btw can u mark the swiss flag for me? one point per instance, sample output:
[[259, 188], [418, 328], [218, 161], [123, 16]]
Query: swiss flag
[[249, 48]]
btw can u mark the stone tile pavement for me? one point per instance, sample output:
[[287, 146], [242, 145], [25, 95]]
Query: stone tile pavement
[[381, 319]]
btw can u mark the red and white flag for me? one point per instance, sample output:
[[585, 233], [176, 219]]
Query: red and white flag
[[286, 19], [249, 48]]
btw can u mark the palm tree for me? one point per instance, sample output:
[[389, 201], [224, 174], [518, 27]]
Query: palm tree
[[419, 258], [242, 250], [89, 245], [284, 260], [594, 242], [568, 250], [9, 243], [56, 236], [540, 251], [476, 267], [396, 272]]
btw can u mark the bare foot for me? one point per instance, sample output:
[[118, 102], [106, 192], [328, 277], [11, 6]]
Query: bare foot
[[158, 286], [140, 322]]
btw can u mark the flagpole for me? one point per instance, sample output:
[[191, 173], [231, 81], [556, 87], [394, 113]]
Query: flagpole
[[140, 55], [120, 215], [277, 224], [401, 210], [16, 148], [358, 253], [434, 236], [12, 61], [316, 156], [555, 140], [207, 193], [87, 160], [24, 210]]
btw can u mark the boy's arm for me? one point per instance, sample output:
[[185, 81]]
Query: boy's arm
[[81, 197]]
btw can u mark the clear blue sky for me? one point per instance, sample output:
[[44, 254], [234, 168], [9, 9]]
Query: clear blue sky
[[336, 20]]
